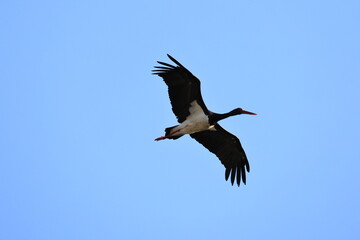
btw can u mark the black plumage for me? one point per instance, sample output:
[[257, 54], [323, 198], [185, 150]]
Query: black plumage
[[184, 89], [228, 149]]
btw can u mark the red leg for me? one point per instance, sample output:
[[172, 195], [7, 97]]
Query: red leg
[[160, 138], [164, 137]]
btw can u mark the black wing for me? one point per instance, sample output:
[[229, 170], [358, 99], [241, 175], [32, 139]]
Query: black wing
[[183, 88], [228, 149]]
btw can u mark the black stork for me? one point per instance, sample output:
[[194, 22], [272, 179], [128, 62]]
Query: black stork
[[201, 123]]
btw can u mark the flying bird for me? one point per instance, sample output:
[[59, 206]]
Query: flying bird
[[201, 123]]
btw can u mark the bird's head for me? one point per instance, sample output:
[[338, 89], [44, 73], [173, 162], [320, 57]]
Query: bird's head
[[238, 111]]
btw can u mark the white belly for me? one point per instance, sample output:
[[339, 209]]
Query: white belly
[[197, 121]]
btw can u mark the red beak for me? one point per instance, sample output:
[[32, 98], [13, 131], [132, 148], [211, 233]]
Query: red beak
[[246, 112]]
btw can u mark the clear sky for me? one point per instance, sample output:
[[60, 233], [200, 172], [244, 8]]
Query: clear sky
[[80, 111]]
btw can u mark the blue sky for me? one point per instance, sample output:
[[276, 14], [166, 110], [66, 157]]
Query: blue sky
[[80, 110]]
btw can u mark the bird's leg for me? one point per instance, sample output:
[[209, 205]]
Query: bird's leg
[[168, 136], [160, 138]]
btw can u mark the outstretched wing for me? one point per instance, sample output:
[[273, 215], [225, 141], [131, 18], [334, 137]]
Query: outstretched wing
[[228, 149], [183, 88]]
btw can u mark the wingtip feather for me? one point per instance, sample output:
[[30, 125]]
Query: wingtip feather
[[166, 64], [227, 173], [175, 61], [233, 173], [238, 176], [243, 175], [247, 166]]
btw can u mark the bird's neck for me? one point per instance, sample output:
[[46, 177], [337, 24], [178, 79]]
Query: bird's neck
[[215, 117]]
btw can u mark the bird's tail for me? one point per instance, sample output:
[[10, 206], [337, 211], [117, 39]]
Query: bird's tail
[[168, 130]]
